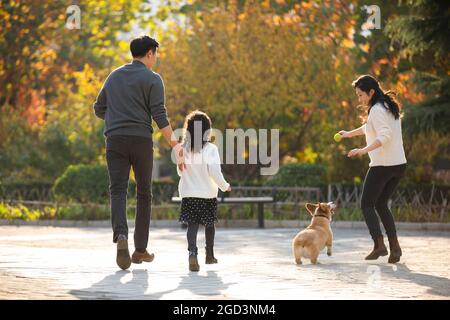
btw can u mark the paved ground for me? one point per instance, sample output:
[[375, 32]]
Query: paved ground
[[79, 263]]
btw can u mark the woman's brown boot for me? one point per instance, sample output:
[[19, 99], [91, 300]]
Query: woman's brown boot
[[396, 251], [379, 249]]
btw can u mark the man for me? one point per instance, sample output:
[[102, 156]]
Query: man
[[130, 98]]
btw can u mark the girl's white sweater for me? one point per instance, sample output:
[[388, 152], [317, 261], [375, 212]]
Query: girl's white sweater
[[202, 176]]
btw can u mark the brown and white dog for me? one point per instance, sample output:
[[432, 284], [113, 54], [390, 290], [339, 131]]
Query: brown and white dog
[[309, 242]]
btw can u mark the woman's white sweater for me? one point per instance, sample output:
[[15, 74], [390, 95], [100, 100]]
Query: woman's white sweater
[[202, 176], [382, 125]]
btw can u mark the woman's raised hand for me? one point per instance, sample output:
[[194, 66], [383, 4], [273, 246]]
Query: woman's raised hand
[[345, 134]]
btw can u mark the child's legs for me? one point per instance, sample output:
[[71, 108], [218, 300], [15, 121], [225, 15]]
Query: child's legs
[[210, 232], [192, 236]]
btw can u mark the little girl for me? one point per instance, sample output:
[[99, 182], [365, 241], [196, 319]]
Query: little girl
[[199, 183]]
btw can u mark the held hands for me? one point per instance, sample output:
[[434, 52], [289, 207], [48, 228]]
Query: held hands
[[179, 155]]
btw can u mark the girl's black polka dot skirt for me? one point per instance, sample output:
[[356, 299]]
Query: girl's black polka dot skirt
[[199, 210]]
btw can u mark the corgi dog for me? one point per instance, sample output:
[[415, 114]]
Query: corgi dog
[[309, 242]]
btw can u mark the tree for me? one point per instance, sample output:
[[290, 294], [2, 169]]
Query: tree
[[40, 66], [422, 35], [251, 67]]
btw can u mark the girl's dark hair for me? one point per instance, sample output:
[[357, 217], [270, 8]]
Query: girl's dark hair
[[196, 124], [387, 99]]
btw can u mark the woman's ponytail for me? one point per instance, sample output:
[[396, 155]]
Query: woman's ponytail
[[391, 100]]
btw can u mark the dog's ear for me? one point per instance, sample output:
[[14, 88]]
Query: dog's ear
[[311, 208]]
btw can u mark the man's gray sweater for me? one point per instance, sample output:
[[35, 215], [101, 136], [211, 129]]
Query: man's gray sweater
[[130, 97]]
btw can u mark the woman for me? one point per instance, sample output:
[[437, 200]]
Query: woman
[[387, 162]]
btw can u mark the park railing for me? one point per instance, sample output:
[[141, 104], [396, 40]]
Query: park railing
[[287, 200], [42, 192], [431, 202], [32, 191]]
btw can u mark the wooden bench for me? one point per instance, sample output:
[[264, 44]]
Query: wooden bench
[[260, 201]]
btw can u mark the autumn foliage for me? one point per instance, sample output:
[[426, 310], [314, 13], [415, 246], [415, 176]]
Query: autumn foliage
[[281, 64]]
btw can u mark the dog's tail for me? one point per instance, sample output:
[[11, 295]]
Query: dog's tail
[[300, 242]]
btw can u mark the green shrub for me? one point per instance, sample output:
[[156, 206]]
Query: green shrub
[[82, 183], [298, 175], [90, 184], [89, 212], [405, 213], [163, 191], [348, 214], [165, 213]]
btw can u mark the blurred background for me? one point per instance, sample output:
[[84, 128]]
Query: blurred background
[[273, 64]]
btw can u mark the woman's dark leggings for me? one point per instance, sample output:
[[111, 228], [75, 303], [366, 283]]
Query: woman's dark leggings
[[379, 185], [192, 230]]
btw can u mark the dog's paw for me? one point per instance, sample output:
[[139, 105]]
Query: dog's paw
[[298, 262], [329, 253]]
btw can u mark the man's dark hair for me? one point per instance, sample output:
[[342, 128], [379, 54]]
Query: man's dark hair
[[139, 47]]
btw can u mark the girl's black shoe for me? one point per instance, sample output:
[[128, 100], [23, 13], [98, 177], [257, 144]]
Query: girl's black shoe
[[193, 262], [210, 256]]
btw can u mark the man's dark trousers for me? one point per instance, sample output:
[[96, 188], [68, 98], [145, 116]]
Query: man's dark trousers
[[122, 153]]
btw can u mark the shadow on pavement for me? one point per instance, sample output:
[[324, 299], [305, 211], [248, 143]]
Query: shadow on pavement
[[360, 273], [113, 286]]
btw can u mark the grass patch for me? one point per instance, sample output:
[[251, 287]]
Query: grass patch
[[225, 212]]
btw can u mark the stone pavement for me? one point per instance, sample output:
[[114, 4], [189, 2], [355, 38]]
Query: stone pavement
[[39, 262]]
